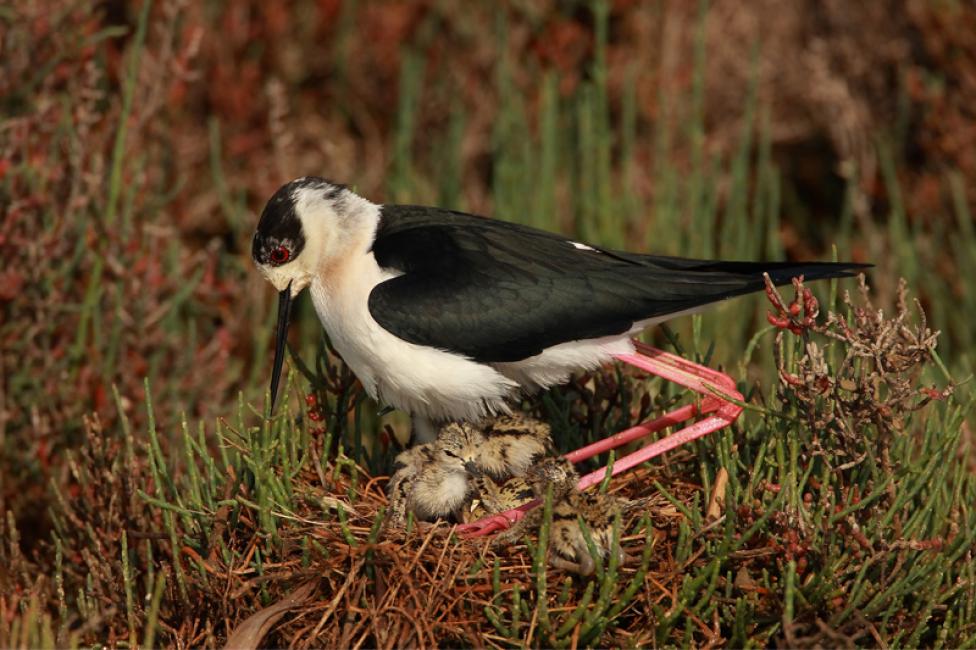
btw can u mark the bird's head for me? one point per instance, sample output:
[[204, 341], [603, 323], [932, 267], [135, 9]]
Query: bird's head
[[459, 445], [557, 472], [302, 226]]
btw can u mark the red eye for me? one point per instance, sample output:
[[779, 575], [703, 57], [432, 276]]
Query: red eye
[[280, 255]]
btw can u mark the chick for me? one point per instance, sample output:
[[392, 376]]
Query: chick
[[443, 478], [441, 489], [429, 481], [432, 479], [568, 506]]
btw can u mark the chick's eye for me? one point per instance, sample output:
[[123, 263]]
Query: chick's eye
[[280, 255]]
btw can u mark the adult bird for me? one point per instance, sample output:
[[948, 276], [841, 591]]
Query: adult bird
[[450, 316]]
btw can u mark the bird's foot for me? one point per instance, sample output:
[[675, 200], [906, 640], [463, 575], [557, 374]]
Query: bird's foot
[[496, 522]]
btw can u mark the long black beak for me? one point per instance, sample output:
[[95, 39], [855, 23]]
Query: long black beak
[[284, 310]]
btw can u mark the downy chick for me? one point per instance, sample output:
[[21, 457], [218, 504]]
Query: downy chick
[[496, 453], [437, 480], [568, 506], [433, 480]]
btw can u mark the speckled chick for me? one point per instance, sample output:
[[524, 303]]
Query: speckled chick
[[568, 506], [437, 480], [434, 480], [431, 483]]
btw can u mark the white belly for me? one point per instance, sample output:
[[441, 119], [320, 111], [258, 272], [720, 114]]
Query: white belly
[[554, 365]]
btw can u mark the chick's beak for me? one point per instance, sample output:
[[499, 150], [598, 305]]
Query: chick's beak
[[284, 310]]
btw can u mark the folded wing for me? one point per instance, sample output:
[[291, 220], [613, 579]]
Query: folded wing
[[496, 291]]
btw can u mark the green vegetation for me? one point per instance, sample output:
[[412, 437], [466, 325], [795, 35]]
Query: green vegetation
[[148, 498]]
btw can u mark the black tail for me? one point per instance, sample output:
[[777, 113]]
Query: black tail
[[779, 272], [674, 284]]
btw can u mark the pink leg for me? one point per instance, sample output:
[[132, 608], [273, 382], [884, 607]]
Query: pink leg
[[711, 384], [704, 381]]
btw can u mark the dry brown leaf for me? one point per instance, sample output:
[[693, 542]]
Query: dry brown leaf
[[714, 510], [248, 635]]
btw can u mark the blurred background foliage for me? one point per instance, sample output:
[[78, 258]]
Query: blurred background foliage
[[139, 141]]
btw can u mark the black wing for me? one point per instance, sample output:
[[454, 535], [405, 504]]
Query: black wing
[[496, 291]]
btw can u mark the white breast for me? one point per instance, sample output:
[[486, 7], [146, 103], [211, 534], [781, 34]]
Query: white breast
[[425, 381]]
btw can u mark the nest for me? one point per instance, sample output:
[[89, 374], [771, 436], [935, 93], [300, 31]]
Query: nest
[[381, 586]]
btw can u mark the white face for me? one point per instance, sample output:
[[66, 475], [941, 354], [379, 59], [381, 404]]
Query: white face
[[304, 225], [298, 230]]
